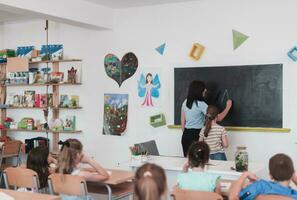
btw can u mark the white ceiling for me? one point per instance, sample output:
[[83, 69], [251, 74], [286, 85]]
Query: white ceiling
[[133, 3]]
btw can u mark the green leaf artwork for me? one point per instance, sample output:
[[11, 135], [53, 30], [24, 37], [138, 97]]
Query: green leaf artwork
[[238, 39]]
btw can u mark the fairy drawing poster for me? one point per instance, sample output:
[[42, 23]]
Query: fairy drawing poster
[[149, 88]]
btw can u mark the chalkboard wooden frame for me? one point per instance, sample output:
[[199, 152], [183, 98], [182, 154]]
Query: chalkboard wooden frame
[[258, 73]]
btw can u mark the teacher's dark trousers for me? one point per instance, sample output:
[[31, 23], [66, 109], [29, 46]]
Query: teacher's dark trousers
[[189, 136]]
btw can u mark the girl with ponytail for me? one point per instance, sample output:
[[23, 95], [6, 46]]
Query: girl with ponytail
[[70, 158], [150, 183], [214, 135], [193, 176]]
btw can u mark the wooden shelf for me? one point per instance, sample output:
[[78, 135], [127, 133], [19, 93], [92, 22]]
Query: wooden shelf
[[54, 108], [55, 61], [40, 131], [41, 84]]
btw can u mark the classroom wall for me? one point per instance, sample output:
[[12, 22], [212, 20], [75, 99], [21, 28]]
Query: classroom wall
[[140, 30]]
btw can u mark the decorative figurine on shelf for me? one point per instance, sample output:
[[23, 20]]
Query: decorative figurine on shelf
[[8, 122], [56, 125], [72, 75]]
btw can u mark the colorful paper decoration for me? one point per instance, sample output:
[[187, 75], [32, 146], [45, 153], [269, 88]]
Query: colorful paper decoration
[[115, 114], [120, 70], [158, 120], [196, 51], [160, 49], [148, 87], [293, 54], [238, 39]]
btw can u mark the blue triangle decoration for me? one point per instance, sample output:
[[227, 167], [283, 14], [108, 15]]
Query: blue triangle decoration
[[161, 49]]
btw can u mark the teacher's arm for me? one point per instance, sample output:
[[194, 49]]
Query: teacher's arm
[[183, 120], [223, 114]]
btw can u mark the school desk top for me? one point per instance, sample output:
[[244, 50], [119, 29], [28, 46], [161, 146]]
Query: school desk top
[[28, 195], [222, 168]]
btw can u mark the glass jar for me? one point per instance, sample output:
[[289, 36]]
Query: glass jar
[[241, 159]]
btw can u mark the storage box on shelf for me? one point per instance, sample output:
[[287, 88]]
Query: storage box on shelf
[[55, 105]]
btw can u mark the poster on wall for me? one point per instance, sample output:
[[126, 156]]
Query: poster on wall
[[115, 114], [120, 70], [149, 88]]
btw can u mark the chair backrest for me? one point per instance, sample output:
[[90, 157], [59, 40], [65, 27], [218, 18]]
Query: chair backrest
[[149, 146], [20, 177], [67, 184], [180, 194], [11, 148], [272, 197]]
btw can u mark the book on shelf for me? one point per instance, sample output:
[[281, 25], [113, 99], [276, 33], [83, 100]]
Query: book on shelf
[[37, 100], [64, 101], [69, 123], [43, 100], [29, 99], [74, 101], [10, 98]]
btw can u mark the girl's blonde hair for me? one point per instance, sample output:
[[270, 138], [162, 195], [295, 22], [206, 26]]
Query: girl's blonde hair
[[211, 113], [150, 182], [68, 154]]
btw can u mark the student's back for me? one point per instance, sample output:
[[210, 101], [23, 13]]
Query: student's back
[[193, 176], [281, 170]]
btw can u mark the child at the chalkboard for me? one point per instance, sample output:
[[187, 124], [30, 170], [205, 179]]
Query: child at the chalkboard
[[214, 135]]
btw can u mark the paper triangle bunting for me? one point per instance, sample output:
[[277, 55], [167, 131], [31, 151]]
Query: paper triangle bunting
[[161, 49], [238, 39]]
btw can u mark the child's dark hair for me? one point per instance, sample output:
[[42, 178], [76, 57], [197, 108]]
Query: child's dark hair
[[211, 113], [281, 167], [195, 91], [37, 161], [150, 182], [198, 154]]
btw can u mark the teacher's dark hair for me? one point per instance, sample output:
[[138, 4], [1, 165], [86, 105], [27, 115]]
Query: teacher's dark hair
[[198, 154], [195, 91]]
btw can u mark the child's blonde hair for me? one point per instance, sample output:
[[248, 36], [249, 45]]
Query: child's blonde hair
[[211, 113], [150, 182], [68, 154]]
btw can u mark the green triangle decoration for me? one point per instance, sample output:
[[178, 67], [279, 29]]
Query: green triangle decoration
[[238, 38]]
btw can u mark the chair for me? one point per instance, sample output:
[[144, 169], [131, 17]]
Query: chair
[[20, 177], [10, 149], [149, 146], [67, 184], [180, 194], [272, 197]]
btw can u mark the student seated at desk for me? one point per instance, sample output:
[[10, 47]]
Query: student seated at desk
[[40, 161], [193, 176], [150, 183], [281, 171], [71, 157]]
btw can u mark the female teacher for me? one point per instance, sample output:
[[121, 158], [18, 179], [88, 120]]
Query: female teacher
[[193, 114]]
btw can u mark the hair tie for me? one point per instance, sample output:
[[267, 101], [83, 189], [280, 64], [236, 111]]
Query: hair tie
[[65, 143], [147, 173]]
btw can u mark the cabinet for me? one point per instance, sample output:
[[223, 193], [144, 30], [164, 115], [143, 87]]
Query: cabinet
[[55, 109]]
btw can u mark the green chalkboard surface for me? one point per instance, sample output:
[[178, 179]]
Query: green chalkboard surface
[[256, 91]]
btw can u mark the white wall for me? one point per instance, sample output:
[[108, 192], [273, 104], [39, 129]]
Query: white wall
[[268, 23]]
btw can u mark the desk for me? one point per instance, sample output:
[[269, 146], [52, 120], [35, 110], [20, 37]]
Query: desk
[[29, 195], [173, 166], [117, 185]]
